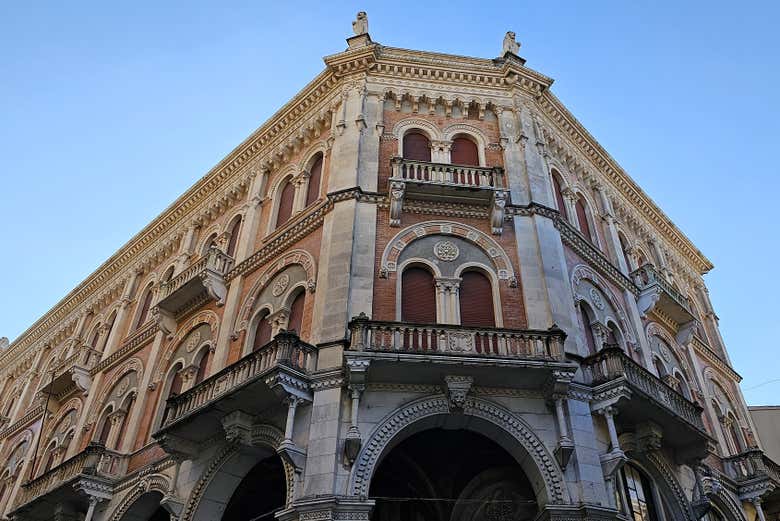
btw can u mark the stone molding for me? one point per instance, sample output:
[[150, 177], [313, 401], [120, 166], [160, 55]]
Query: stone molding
[[408, 414]]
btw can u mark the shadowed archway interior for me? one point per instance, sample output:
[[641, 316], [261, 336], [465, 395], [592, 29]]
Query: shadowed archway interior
[[451, 475], [260, 494]]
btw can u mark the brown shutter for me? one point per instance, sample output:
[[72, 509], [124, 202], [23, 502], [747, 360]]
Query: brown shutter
[[95, 339], [203, 367], [315, 175], [464, 152], [233, 241], [582, 219], [262, 333], [418, 296], [559, 196], [589, 338], [285, 204], [476, 300], [176, 384], [123, 427], [417, 147], [105, 431], [296, 314], [142, 316]]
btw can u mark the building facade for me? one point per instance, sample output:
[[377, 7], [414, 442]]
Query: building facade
[[420, 291]]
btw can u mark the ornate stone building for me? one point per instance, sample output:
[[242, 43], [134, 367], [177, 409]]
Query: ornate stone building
[[420, 291]]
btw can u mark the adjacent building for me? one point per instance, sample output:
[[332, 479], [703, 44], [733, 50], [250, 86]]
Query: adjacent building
[[420, 291]]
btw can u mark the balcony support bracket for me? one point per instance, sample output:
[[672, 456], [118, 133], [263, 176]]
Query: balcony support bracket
[[166, 321]]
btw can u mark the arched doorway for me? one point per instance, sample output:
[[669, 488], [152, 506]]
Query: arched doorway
[[451, 475], [147, 508], [260, 494]]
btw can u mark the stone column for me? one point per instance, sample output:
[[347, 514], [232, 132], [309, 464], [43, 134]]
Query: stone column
[[186, 247], [759, 509]]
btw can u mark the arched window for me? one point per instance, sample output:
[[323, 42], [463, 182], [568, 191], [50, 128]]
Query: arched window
[[736, 441], [109, 329], [476, 300], [10, 406], [123, 426], [105, 429], [681, 386], [95, 338], [613, 334], [464, 152], [146, 303], [586, 315], [582, 219], [638, 494], [659, 367], [315, 177], [418, 296], [286, 198], [49, 463], [174, 390], [262, 331], [295, 322], [210, 243], [623, 250], [168, 275], [417, 146], [235, 230], [559, 195], [203, 366]]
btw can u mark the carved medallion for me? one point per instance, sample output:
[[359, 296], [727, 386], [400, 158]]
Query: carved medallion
[[193, 341], [596, 299], [280, 285], [664, 351], [446, 251], [122, 386]]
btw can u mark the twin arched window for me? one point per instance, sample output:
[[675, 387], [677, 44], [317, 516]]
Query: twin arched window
[[638, 495], [417, 147], [559, 195], [286, 193], [146, 304], [419, 298], [234, 231], [264, 330]]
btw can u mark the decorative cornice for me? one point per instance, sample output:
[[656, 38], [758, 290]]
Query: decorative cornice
[[573, 129], [127, 349], [715, 361], [24, 421]]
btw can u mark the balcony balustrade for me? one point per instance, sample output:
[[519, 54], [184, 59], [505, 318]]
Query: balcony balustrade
[[93, 471], [416, 353], [756, 475], [262, 379], [451, 183], [658, 294], [72, 372], [203, 280], [640, 396]]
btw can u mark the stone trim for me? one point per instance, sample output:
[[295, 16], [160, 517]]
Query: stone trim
[[412, 412]]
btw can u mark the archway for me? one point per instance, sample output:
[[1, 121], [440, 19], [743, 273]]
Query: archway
[[147, 508], [451, 474], [260, 494]]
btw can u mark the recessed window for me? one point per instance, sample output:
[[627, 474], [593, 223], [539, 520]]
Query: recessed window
[[417, 146]]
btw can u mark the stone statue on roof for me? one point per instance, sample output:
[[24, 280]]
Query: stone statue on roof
[[510, 43], [360, 25]]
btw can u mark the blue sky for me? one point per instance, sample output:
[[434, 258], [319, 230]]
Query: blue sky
[[108, 112]]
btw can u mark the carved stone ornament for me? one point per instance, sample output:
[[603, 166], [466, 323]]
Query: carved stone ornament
[[280, 285], [457, 388], [193, 341], [596, 299], [510, 43], [122, 386], [446, 251], [360, 24]]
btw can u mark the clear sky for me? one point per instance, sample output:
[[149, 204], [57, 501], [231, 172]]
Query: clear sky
[[109, 111]]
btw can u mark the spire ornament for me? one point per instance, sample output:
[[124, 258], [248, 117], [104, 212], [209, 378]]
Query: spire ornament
[[360, 25]]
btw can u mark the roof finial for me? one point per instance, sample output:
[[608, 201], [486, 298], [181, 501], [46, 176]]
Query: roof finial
[[511, 45], [360, 25]]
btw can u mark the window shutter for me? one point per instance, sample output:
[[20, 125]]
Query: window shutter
[[233, 241], [589, 338], [418, 296], [203, 366], [145, 307], [176, 385], [296, 314], [476, 300], [105, 431], [285, 204], [417, 147], [95, 339], [262, 333], [582, 219], [315, 176], [464, 152], [559, 197]]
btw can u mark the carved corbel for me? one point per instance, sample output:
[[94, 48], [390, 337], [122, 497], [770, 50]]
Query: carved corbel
[[457, 389], [397, 190], [82, 378], [649, 436], [685, 333], [165, 321], [497, 210], [238, 427], [215, 287], [648, 299], [177, 446]]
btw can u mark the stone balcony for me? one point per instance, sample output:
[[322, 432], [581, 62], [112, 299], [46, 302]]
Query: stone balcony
[[397, 352], [657, 294], [645, 404], [276, 375], [203, 280], [72, 373], [451, 183], [756, 476], [71, 486]]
